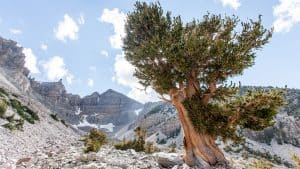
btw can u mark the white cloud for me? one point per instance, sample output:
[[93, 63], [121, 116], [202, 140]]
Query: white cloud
[[56, 69], [117, 19], [30, 60], [44, 47], [90, 82], [104, 53], [81, 19], [123, 75], [287, 14], [124, 72], [235, 4], [15, 31], [66, 29]]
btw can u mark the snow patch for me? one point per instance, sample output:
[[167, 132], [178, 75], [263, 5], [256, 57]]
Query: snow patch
[[137, 111], [109, 127], [78, 111], [85, 123]]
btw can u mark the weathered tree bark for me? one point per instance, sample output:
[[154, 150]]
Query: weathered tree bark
[[201, 149]]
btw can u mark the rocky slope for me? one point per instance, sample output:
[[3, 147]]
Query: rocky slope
[[26, 127]]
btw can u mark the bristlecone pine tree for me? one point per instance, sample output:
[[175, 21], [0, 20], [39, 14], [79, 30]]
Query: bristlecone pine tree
[[191, 64]]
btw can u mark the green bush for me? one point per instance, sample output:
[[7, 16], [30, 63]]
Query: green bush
[[3, 107], [150, 148], [19, 124], [296, 159], [9, 126], [54, 117], [138, 144], [14, 124], [94, 140], [260, 164], [26, 113], [63, 122], [3, 93], [172, 147]]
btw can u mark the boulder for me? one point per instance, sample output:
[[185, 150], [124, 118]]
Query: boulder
[[168, 160]]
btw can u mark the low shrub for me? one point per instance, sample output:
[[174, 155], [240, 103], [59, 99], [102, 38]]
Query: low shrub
[[296, 159], [94, 140], [64, 122], [150, 148], [9, 126], [54, 117], [3, 107], [26, 113], [172, 147], [138, 144], [14, 124], [3, 93], [260, 164]]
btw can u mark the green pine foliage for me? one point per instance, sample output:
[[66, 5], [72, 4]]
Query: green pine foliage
[[254, 110], [200, 56], [94, 140]]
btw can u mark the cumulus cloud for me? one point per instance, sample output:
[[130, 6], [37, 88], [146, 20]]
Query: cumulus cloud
[[117, 19], [30, 60], [90, 82], [123, 75], [81, 19], [104, 53], [56, 69], [44, 47], [15, 31], [66, 29], [287, 14], [235, 4]]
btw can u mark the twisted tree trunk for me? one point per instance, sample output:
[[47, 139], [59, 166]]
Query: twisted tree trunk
[[201, 149]]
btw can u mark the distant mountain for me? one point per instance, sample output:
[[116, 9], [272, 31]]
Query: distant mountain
[[110, 108]]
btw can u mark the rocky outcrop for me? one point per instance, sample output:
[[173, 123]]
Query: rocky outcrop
[[12, 62], [285, 131], [159, 120]]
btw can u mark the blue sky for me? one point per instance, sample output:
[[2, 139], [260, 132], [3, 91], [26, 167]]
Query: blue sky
[[79, 41]]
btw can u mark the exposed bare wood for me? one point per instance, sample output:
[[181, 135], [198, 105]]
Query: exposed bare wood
[[200, 148]]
